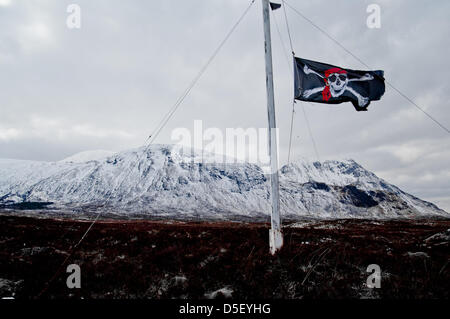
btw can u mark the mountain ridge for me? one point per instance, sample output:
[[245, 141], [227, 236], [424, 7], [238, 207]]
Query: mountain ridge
[[162, 180]]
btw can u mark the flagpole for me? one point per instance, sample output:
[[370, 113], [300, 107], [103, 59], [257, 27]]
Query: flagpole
[[275, 235]]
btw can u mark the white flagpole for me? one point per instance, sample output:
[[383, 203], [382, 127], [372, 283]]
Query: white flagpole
[[275, 235]]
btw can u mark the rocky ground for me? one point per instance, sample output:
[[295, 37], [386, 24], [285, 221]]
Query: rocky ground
[[162, 259]]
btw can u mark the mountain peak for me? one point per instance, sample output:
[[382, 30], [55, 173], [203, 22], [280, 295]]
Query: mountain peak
[[86, 156], [165, 180]]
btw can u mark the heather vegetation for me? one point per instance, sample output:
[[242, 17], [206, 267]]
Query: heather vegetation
[[162, 259]]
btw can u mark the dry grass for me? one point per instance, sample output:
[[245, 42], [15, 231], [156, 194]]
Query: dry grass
[[151, 259]]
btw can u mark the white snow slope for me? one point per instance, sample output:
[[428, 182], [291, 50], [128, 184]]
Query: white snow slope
[[161, 181], [88, 156]]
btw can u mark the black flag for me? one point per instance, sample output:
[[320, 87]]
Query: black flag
[[274, 6], [325, 83]]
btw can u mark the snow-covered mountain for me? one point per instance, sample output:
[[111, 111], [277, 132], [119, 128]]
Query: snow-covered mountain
[[88, 156], [162, 181]]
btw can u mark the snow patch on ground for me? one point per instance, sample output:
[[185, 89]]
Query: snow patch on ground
[[226, 292]]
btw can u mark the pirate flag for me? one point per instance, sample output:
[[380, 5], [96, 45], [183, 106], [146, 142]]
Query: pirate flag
[[324, 83]]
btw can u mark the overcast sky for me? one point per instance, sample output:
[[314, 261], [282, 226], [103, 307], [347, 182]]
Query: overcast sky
[[106, 85]]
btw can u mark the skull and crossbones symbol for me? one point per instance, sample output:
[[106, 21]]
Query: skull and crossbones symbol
[[336, 83]]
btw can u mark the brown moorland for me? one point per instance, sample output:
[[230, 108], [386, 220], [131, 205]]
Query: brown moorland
[[175, 259]]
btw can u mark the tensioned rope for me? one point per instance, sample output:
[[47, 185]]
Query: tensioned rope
[[281, 40], [293, 100], [310, 132], [288, 64], [150, 139], [365, 64], [288, 29]]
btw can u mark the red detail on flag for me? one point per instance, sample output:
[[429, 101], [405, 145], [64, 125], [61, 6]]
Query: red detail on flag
[[334, 70], [326, 95]]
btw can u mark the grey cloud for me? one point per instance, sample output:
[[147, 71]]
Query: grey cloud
[[131, 60]]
